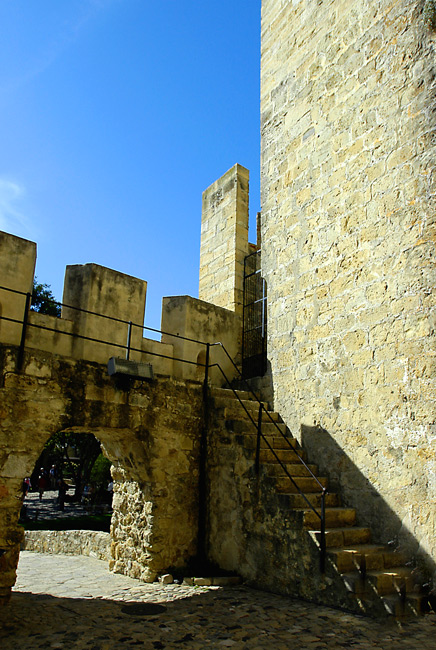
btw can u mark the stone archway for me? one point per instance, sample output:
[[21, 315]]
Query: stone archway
[[150, 431]]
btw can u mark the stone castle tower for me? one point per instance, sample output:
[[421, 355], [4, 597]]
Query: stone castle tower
[[348, 231]]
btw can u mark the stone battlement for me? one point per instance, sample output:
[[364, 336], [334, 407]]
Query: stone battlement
[[98, 306]]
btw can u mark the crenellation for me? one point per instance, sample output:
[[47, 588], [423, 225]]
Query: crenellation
[[108, 293]]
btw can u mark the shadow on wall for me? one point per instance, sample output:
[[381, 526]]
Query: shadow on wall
[[358, 492]]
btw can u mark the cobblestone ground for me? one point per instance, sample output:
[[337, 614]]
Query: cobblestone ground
[[74, 602], [48, 507]]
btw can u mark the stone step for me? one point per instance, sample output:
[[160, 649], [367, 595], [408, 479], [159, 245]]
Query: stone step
[[365, 557], [280, 443], [342, 536], [235, 411], [305, 484], [283, 455], [298, 502], [251, 405], [227, 393], [335, 518], [268, 428], [294, 469], [412, 605], [276, 443], [389, 581]]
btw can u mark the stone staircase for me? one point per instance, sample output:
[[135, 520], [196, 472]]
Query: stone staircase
[[377, 577]]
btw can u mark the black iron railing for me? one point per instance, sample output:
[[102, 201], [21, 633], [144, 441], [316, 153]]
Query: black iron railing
[[25, 323], [260, 436], [128, 348]]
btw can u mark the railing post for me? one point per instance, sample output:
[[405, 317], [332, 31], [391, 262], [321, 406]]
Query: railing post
[[206, 372], [322, 540], [23, 332], [202, 487], [259, 433], [129, 340]]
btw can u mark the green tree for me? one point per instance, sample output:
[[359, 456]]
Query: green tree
[[43, 300], [74, 454]]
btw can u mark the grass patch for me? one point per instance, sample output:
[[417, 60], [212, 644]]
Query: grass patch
[[87, 522]]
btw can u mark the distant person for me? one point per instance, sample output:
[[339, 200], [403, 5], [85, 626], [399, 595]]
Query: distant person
[[86, 494], [26, 486], [53, 477], [42, 483], [110, 492], [62, 491]]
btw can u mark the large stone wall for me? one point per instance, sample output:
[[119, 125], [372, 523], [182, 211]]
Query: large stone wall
[[348, 230]]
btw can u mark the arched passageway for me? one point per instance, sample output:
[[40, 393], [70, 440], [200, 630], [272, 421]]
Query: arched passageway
[[150, 433]]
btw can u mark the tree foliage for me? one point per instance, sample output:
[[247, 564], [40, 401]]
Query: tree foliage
[[75, 455], [43, 300], [78, 457]]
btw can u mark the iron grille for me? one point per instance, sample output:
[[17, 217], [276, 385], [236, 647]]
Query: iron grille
[[254, 319]]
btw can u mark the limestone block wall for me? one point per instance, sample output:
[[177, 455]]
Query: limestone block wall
[[348, 231], [17, 266], [224, 239], [105, 292], [205, 322]]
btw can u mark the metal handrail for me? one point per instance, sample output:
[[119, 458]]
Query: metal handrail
[[112, 318], [268, 414], [25, 322], [268, 444]]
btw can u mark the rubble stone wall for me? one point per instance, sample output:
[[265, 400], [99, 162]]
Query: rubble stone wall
[[68, 542], [348, 233]]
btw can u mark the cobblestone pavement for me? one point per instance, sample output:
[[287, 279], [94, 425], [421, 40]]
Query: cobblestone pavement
[[73, 602], [48, 508]]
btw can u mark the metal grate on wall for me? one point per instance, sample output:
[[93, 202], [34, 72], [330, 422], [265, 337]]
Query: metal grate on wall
[[254, 318]]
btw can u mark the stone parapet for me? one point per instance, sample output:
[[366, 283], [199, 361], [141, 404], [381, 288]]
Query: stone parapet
[[103, 317], [69, 542]]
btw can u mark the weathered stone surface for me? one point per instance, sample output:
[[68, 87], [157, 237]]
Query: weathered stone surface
[[69, 542], [150, 431], [224, 240], [347, 250]]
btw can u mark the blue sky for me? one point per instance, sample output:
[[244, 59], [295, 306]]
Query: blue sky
[[115, 116]]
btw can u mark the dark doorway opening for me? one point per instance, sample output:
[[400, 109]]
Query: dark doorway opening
[[254, 352]]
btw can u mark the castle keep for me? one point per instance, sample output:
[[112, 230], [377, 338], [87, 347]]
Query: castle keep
[[348, 231], [326, 490]]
